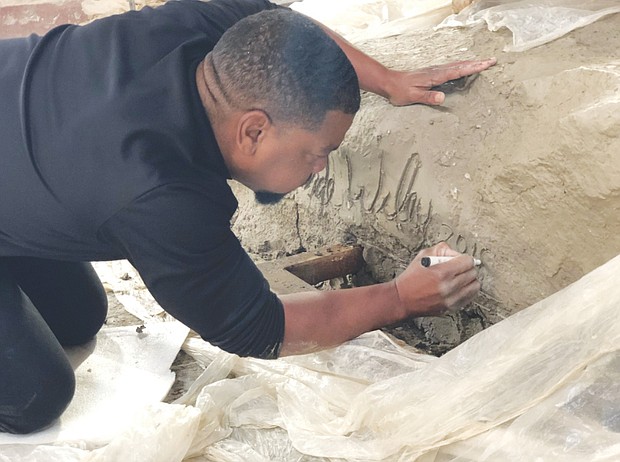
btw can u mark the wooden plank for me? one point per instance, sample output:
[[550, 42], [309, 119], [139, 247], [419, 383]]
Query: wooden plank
[[328, 263], [281, 281], [300, 272]]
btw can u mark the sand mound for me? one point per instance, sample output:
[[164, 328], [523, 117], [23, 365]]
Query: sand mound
[[520, 170]]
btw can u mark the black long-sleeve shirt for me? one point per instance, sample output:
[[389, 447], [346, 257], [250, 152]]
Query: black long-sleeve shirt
[[106, 152]]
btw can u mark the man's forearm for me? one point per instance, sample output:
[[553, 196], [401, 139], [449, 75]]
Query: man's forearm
[[319, 320], [372, 75]]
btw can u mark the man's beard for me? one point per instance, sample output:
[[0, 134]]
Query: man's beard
[[268, 198]]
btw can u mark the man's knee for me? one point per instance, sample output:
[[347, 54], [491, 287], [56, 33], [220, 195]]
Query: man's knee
[[37, 381], [83, 328], [39, 404], [69, 296]]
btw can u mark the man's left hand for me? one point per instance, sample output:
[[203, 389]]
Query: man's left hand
[[410, 87]]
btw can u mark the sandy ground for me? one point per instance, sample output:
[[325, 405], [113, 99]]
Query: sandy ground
[[520, 170]]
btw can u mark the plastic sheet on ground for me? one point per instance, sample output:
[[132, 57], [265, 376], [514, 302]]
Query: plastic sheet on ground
[[540, 385], [117, 375], [532, 23]]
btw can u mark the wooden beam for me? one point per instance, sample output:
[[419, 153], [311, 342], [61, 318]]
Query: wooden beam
[[328, 263], [281, 281], [300, 272]]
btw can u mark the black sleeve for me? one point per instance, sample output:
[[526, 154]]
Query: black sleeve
[[179, 240]]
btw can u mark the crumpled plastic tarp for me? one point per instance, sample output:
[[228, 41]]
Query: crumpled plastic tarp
[[532, 23], [359, 20], [540, 385], [544, 384]]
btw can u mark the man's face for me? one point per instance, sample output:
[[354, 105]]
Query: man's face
[[291, 155]]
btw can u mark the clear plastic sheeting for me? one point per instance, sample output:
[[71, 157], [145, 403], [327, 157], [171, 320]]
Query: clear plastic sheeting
[[532, 23], [578, 422], [160, 433], [543, 384], [359, 20]]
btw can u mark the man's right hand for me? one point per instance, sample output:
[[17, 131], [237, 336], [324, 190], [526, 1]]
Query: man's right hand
[[322, 319], [440, 288]]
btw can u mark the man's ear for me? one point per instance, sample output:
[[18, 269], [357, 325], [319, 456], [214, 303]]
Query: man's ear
[[252, 127]]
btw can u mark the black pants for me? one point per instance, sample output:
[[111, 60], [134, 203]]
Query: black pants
[[43, 304]]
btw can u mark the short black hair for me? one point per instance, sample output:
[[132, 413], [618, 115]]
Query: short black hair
[[283, 63]]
